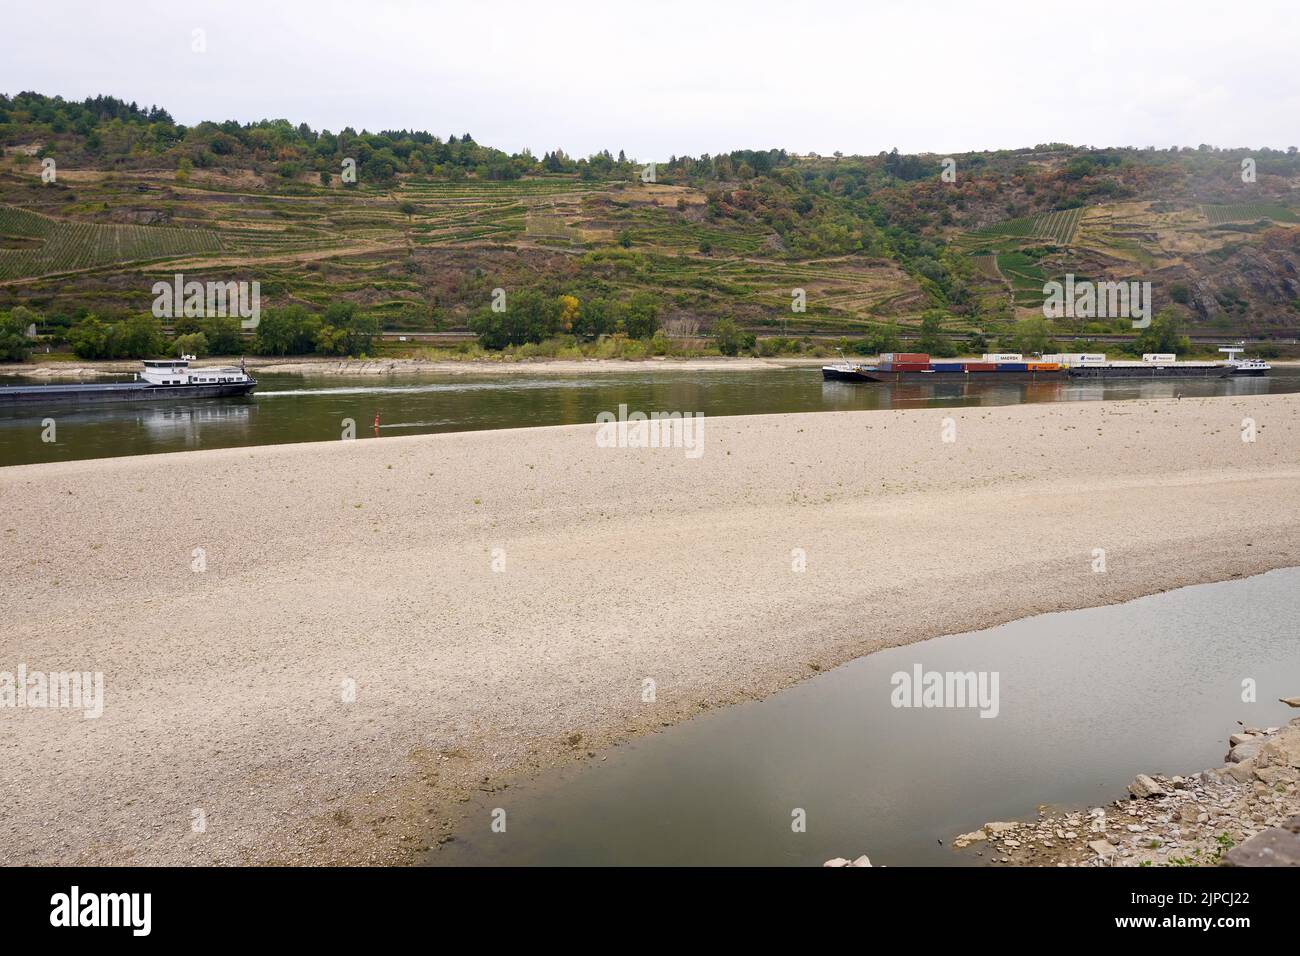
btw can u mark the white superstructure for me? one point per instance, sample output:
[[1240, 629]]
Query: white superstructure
[[178, 372]]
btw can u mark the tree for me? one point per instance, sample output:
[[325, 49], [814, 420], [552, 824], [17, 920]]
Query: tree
[[89, 339], [140, 336], [286, 331], [932, 339], [1164, 334], [1033, 336], [222, 335], [15, 346], [642, 316], [728, 336], [569, 308], [195, 343], [529, 317]]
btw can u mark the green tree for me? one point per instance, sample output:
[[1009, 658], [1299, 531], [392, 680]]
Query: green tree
[[528, 317], [194, 343], [932, 340], [728, 336], [222, 335], [1033, 336], [89, 339], [140, 336], [641, 319], [15, 346], [1164, 334], [290, 330]]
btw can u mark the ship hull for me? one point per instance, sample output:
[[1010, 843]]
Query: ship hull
[[960, 378], [114, 392]]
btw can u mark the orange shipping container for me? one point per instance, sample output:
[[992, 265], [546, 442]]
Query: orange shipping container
[[1044, 366]]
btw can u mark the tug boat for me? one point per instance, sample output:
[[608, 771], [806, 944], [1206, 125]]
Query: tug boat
[[160, 379]]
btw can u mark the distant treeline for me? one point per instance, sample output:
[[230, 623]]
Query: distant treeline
[[288, 330]]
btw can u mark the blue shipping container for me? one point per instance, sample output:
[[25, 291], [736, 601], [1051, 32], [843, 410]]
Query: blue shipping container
[[949, 367], [1013, 366]]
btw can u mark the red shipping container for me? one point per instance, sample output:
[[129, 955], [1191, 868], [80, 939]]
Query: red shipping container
[[905, 357], [981, 366]]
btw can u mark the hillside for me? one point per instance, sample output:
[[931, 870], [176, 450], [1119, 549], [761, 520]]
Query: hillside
[[431, 226]]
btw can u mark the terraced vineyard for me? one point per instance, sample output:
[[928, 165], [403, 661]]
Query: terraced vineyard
[[41, 245], [1057, 227], [1247, 212]]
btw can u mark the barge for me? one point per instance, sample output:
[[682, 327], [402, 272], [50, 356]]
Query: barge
[[159, 380], [892, 367]]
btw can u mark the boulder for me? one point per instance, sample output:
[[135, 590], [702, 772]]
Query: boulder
[[1102, 848], [861, 861], [1143, 787], [1276, 846], [1290, 701], [966, 839], [838, 861], [1245, 750]]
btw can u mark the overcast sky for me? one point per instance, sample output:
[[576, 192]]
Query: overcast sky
[[660, 78]]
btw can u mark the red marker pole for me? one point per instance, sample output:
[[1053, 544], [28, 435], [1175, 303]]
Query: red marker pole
[[376, 421]]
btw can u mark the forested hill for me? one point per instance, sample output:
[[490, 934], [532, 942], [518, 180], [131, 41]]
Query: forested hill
[[416, 229]]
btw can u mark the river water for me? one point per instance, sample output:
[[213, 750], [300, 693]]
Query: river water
[[1086, 700], [290, 408]]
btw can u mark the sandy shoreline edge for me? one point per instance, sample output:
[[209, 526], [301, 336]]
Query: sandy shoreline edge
[[373, 563]]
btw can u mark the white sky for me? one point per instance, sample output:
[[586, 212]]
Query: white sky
[[662, 77]]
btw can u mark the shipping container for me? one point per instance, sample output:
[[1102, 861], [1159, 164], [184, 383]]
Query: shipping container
[[948, 367], [1003, 357], [1160, 357], [911, 367], [1012, 366], [1044, 366], [1077, 358], [981, 367], [904, 357]]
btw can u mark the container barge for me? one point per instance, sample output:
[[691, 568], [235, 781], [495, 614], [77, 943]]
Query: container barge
[[161, 379], [893, 367]]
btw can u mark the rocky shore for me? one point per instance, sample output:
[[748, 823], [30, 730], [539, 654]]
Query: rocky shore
[[1245, 813]]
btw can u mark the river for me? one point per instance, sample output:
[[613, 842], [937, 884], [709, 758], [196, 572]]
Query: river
[[293, 408]]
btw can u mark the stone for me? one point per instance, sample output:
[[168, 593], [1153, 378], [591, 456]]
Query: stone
[[1143, 787], [1242, 772], [1276, 846], [838, 861], [861, 861], [1245, 750], [1290, 701], [1239, 739], [1102, 849], [966, 839]]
